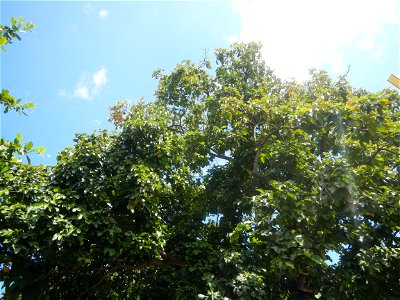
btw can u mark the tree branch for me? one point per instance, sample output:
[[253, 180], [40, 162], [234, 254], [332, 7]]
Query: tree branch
[[259, 146], [343, 77], [171, 260], [219, 155], [378, 150], [260, 176], [166, 261], [301, 285]]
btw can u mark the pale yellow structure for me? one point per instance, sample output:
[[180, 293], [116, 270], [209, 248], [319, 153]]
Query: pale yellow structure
[[394, 80]]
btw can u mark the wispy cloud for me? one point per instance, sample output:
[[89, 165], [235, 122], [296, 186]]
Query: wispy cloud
[[62, 93], [299, 35], [99, 80], [82, 92], [91, 85], [104, 14]]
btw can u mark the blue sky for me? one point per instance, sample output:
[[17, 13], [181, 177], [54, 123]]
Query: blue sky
[[84, 56]]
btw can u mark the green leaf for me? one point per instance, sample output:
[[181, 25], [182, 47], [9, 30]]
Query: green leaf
[[289, 264], [17, 248], [3, 41], [28, 146], [3, 168], [40, 150], [110, 251]]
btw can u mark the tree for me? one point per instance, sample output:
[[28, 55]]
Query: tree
[[232, 184]]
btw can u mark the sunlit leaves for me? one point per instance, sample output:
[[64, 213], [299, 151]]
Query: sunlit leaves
[[8, 33], [231, 184], [11, 103]]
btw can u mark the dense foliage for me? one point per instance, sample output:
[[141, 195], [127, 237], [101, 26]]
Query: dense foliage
[[232, 184]]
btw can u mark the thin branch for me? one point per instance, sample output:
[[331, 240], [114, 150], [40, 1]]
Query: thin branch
[[390, 151], [343, 77], [379, 149], [374, 155], [167, 261], [173, 128], [260, 176], [219, 155], [171, 260], [263, 138], [301, 285], [259, 146], [203, 62]]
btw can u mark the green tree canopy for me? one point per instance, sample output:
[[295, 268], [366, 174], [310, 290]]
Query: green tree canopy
[[232, 184]]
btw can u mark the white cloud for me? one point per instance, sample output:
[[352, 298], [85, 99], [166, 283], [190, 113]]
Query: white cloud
[[82, 92], [62, 93], [299, 35], [104, 14], [100, 77], [91, 86]]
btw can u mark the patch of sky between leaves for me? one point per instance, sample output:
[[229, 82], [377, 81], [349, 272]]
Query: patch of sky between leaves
[[212, 218], [334, 258]]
